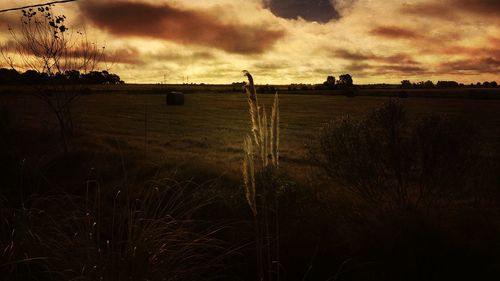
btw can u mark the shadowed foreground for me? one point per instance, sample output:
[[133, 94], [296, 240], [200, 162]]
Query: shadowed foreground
[[151, 192]]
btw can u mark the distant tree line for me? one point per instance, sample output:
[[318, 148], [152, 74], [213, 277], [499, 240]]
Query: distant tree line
[[32, 77], [406, 84], [345, 81]]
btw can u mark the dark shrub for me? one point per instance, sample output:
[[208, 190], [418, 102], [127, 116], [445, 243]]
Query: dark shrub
[[386, 158]]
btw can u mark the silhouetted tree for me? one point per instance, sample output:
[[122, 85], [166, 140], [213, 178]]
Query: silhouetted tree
[[9, 76], [32, 77], [448, 84], [73, 76], [69, 77], [266, 89], [43, 45], [406, 84], [345, 80], [424, 85], [330, 82]]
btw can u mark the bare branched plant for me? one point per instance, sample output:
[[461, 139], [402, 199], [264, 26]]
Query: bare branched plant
[[388, 160], [260, 183], [44, 46]]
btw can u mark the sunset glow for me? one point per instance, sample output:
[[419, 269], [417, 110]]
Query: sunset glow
[[288, 41]]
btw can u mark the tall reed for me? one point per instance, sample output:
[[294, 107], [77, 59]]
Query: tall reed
[[260, 184]]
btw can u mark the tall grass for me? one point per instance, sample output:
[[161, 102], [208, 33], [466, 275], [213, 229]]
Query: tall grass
[[148, 234], [259, 181]]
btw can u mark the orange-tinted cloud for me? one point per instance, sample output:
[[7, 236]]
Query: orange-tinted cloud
[[483, 7], [450, 9], [434, 10], [125, 55], [169, 23], [8, 20], [394, 32], [495, 42], [484, 65], [398, 58], [467, 51]]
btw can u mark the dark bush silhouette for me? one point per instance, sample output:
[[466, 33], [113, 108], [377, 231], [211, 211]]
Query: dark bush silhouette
[[266, 89], [492, 84], [424, 85], [406, 84], [345, 80], [9, 76], [329, 83], [32, 77], [385, 158], [447, 84]]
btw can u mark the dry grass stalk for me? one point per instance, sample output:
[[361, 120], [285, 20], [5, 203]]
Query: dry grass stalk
[[275, 131], [253, 107], [249, 174], [266, 139], [264, 143]]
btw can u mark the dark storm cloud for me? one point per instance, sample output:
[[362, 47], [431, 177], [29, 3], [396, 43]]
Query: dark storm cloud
[[310, 10], [177, 25]]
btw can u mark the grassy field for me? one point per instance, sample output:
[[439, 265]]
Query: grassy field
[[129, 146], [208, 131]]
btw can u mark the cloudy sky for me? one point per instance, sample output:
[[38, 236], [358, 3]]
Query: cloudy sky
[[289, 41]]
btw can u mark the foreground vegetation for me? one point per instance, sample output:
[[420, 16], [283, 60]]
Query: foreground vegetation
[[399, 190]]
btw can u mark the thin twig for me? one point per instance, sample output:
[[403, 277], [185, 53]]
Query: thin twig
[[37, 5]]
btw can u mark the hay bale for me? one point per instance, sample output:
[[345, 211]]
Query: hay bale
[[175, 98]]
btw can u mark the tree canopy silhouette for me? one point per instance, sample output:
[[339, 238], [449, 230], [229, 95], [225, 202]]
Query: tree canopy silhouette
[[345, 80]]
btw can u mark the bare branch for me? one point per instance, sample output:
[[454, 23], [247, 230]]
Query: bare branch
[[37, 5]]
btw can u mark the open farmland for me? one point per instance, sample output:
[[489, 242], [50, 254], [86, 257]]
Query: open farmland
[[206, 133], [136, 160]]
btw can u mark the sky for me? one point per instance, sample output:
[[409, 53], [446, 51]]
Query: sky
[[288, 41]]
